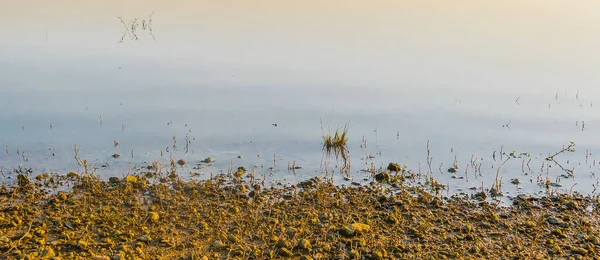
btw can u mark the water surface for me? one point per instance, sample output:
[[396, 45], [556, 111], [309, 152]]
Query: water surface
[[223, 81]]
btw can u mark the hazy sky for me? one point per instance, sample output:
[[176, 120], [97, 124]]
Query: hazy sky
[[531, 45]]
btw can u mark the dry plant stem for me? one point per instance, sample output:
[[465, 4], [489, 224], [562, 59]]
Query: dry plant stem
[[76, 156], [16, 244], [497, 182], [429, 159], [569, 148], [454, 164]]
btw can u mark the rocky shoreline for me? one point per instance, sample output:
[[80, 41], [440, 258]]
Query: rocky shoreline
[[155, 215]]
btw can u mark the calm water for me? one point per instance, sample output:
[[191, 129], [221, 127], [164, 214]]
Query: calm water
[[226, 121], [225, 95]]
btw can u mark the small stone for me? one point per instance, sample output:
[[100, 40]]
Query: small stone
[[237, 250], [283, 244], [361, 228], [379, 253], [553, 221], [61, 195], [555, 249], [383, 176], [474, 249], [116, 155], [354, 229], [181, 162], [595, 240], [154, 217], [238, 173], [494, 217], [273, 221], [347, 231], [114, 180], [285, 252], [256, 253], [144, 238], [580, 251], [218, 244], [394, 167], [572, 205], [82, 244], [131, 179], [42, 176], [530, 224], [323, 218], [274, 239], [48, 253], [304, 244], [467, 228], [480, 196], [291, 231], [391, 220], [558, 233], [359, 242], [203, 225], [309, 183], [233, 239], [436, 202]]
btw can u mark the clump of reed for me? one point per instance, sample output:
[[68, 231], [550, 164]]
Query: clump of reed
[[336, 145]]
